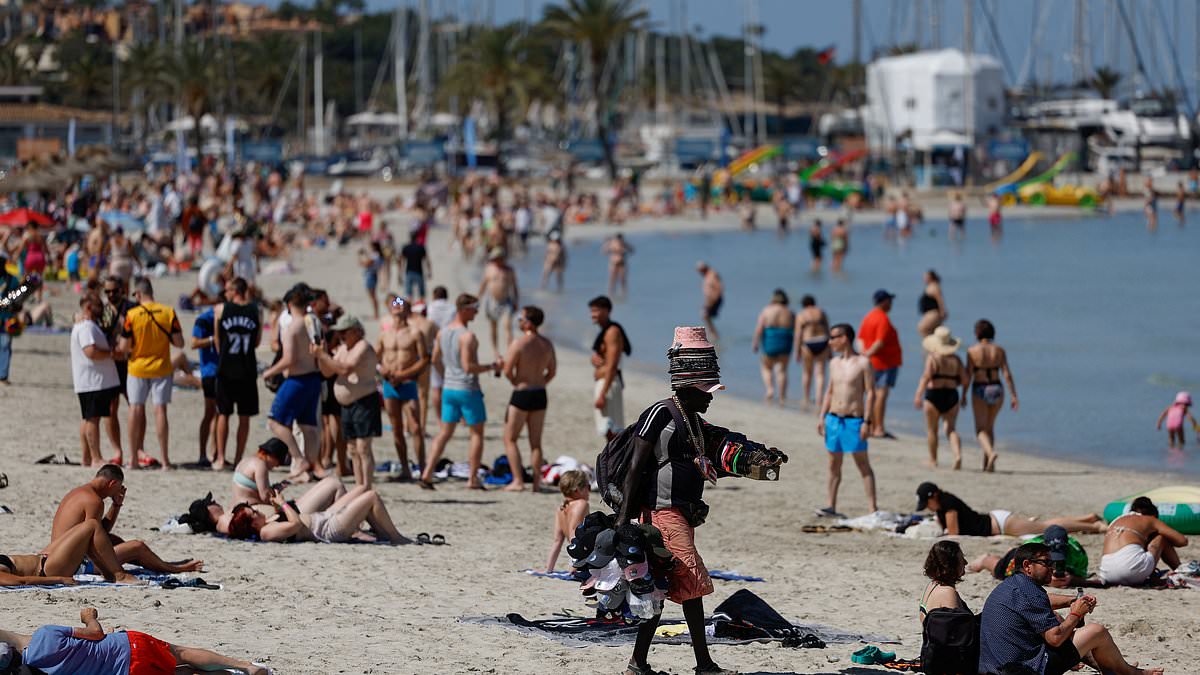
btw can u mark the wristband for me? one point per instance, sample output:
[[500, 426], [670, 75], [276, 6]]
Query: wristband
[[1076, 614]]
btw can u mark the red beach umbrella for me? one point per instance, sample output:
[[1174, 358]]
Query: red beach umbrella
[[22, 217]]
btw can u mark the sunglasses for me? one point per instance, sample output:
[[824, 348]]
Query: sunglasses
[[1041, 561], [837, 336]]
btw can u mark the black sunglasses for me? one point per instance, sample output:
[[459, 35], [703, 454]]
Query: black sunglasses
[[1041, 561]]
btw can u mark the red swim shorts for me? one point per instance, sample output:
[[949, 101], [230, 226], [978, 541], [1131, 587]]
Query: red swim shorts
[[689, 577], [149, 656]]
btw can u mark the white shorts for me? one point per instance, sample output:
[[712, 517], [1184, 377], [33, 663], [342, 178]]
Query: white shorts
[[1001, 517], [155, 389], [1131, 565], [612, 418]]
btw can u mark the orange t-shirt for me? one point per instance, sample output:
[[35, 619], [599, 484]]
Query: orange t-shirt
[[876, 326]]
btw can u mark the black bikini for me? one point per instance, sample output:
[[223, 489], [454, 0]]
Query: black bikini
[[926, 303], [943, 399], [7, 562]]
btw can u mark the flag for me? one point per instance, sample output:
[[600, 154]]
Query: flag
[[825, 56]]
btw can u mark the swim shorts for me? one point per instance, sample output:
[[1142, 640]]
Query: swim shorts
[[297, 400], [688, 578], [711, 311], [405, 391], [156, 390], [842, 434], [208, 385], [886, 378], [1130, 565], [529, 400], [460, 405], [241, 395], [149, 656], [95, 404], [363, 418], [612, 418]]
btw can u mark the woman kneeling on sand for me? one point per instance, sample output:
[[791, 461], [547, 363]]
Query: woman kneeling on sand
[[958, 518], [337, 524]]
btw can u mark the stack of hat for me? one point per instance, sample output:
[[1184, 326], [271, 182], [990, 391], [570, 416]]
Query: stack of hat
[[692, 360], [625, 567]]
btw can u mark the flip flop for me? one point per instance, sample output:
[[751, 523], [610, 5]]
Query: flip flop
[[438, 540], [424, 538], [3, 480], [426, 485], [173, 583], [147, 462]]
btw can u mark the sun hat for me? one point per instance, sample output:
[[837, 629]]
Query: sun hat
[[941, 342], [1183, 398], [924, 492]]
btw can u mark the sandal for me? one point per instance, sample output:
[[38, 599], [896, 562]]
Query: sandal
[[438, 540], [3, 480], [423, 538], [714, 669]]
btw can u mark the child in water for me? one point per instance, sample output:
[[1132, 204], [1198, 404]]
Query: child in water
[[1175, 415], [575, 487]]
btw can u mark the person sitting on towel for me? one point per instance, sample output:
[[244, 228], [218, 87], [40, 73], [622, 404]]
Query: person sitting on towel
[[1134, 544], [61, 650]]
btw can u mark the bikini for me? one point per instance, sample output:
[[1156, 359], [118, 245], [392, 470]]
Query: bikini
[[7, 562], [926, 303], [242, 480], [933, 585], [943, 399], [992, 392]]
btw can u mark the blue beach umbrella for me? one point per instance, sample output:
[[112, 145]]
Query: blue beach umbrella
[[124, 220]]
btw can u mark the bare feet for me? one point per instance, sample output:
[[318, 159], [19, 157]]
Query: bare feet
[[187, 566], [958, 462], [219, 466], [127, 578], [514, 487]]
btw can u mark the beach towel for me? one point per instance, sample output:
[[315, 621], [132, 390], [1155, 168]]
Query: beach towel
[[563, 576], [574, 631], [87, 579]]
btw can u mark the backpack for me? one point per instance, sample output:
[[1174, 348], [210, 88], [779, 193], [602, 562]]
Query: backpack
[[614, 461], [950, 642]]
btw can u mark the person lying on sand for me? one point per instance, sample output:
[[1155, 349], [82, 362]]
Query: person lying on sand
[[1069, 558], [337, 524], [86, 502], [207, 515], [62, 650], [958, 518]]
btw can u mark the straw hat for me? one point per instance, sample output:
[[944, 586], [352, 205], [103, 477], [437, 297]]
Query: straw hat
[[941, 342]]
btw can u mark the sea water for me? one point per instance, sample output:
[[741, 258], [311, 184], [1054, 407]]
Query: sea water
[[1100, 318]]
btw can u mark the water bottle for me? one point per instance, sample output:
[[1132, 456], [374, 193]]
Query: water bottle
[[313, 325]]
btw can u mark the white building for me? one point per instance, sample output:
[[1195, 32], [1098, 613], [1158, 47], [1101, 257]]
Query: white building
[[919, 100]]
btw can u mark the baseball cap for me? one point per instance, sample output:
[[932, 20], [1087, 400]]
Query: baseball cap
[[924, 492], [199, 518], [881, 295], [346, 322], [603, 553], [1055, 538]]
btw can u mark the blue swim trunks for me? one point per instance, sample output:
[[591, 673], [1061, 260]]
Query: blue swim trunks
[[842, 434], [777, 341], [460, 405], [407, 391], [297, 400], [886, 378]]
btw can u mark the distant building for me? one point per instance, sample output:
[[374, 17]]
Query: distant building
[[917, 101], [23, 120]]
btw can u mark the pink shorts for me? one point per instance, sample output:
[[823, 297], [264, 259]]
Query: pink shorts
[[689, 577]]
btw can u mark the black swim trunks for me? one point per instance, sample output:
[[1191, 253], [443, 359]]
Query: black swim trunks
[[711, 311], [363, 418], [529, 400]]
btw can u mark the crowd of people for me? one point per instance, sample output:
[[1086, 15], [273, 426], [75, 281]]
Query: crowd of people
[[334, 387]]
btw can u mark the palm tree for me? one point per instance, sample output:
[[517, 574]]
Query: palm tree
[[1104, 81], [144, 74], [87, 79], [15, 61], [262, 67], [601, 25], [193, 75], [498, 67]]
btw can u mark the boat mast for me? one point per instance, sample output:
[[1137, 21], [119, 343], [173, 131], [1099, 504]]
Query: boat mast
[[399, 66], [318, 94]]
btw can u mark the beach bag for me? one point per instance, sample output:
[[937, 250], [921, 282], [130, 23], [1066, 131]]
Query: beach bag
[[950, 642]]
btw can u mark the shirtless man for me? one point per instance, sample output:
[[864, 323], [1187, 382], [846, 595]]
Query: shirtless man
[[607, 349], [86, 502], [841, 420], [1134, 544], [404, 357], [299, 396], [530, 365], [97, 241], [713, 291], [812, 348], [774, 335], [499, 297], [618, 251], [428, 331], [556, 259], [354, 363]]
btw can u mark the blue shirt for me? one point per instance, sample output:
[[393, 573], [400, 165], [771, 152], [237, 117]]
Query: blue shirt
[[203, 328], [1011, 626], [53, 650]]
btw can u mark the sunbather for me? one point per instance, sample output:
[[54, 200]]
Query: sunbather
[[337, 524], [958, 518], [252, 476], [207, 515], [57, 563], [61, 650]]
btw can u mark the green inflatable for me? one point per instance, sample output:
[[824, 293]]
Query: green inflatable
[[1178, 506]]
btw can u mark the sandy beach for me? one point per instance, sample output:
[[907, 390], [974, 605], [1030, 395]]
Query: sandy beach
[[319, 608]]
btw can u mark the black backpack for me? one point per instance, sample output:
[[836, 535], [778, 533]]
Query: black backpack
[[950, 642], [614, 461]]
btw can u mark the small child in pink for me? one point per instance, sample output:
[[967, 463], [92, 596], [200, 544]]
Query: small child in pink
[[1175, 415]]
